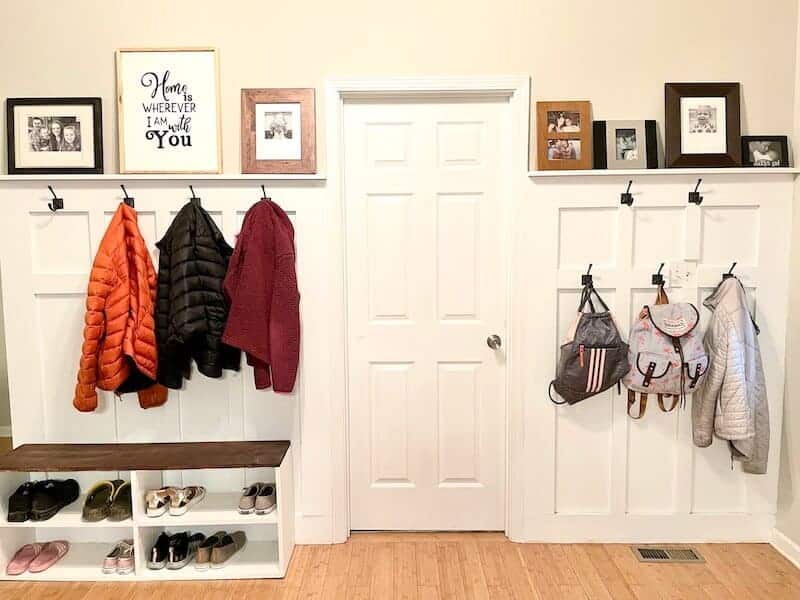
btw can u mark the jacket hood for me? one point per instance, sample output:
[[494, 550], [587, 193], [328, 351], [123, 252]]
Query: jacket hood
[[192, 216]]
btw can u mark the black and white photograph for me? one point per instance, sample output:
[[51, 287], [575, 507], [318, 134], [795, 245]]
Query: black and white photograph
[[54, 135], [278, 125], [703, 125], [765, 151], [703, 119], [563, 149], [626, 148], [559, 121], [281, 131]]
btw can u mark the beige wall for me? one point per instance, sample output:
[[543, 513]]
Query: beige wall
[[788, 518], [618, 54]]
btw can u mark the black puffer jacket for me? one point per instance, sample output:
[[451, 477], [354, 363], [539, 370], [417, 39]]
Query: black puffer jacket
[[191, 309]]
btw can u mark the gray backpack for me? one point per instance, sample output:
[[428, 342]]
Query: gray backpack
[[593, 358], [666, 354]]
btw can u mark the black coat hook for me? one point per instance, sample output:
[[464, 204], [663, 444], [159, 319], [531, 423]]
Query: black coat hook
[[626, 197], [658, 278], [127, 199], [194, 199], [695, 197], [264, 193], [729, 274], [57, 203], [586, 279]]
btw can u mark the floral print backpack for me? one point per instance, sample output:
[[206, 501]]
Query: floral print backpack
[[666, 354]]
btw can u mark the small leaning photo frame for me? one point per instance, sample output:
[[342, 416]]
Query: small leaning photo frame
[[563, 135], [767, 151], [54, 136], [702, 125], [168, 110], [625, 144], [279, 131]]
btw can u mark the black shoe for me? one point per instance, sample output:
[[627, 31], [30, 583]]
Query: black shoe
[[182, 548], [51, 495], [19, 504], [160, 552]]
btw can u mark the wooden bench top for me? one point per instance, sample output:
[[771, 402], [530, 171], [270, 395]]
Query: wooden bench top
[[144, 457]]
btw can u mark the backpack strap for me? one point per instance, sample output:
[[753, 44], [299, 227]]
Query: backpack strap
[[661, 295], [661, 403], [586, 297], [550, 393], [632, 401]]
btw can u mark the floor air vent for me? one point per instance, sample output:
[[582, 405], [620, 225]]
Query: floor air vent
[[653, 554]]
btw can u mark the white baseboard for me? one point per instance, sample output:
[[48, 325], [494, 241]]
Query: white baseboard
[[5, 430], [787, 547]]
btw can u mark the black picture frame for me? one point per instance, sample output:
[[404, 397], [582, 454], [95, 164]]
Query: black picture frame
[[97, 135], [779, 139], [603, 138], [673, 92]]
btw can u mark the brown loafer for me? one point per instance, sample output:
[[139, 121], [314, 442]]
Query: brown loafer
[[228, 547], [202, 558]]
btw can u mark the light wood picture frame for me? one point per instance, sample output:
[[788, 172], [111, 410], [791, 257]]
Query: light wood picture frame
[[564, 135], [279, 131], [169, 116]]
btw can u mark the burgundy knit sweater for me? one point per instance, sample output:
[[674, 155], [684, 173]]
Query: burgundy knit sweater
[[261, 286]]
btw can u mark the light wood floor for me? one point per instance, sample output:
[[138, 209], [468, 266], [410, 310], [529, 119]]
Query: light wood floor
[[481, 565]]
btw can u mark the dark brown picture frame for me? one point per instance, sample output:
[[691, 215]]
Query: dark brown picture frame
[[97, 136], [673, 92], [782, 140], [307, 164], [584, 136]]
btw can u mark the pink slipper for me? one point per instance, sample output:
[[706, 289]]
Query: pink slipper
[[50, 555], [23, 558]]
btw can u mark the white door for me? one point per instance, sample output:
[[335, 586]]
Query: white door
[[426, 267]]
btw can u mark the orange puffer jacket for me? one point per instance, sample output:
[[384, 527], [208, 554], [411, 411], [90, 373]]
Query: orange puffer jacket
[[119, 347]]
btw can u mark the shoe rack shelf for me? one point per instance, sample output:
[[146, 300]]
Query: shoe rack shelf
[[222, 467]]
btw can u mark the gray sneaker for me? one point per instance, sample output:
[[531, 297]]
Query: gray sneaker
[[265, 500], [247, 503]]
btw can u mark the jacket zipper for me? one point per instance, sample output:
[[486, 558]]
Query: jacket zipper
[[581, 352]]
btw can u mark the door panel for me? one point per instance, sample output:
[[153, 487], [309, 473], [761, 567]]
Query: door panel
[[426, 286]]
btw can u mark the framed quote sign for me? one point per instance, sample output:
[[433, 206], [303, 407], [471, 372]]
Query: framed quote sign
[[169, 114]]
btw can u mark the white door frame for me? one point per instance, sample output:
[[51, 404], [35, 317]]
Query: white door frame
[[516, 89]]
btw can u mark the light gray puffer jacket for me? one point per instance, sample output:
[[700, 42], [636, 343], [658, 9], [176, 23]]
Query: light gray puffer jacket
[[732, 402]]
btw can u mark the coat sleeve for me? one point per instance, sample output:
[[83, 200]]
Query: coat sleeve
[[704, 403], [165, 370], [101, 283]]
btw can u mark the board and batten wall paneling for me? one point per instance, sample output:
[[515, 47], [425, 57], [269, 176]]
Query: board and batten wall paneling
[[593, 473], [590, 473], [46, 260]]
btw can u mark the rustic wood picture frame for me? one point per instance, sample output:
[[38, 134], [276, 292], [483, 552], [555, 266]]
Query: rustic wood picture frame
[[307, 164], [544, 136], [674, 158]]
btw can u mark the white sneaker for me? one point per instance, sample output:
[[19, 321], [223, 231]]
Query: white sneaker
[[185, 498]]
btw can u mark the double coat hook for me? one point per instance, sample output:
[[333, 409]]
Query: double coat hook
[[57, 203], [127, 199], [586, 278], [729, 274], [658, 278], [194, 199], [695, 197], [626, 197]]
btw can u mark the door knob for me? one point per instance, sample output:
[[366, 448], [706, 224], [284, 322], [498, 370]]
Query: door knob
[[494, 342]]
